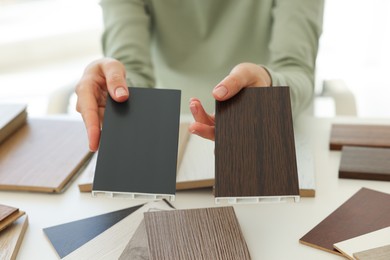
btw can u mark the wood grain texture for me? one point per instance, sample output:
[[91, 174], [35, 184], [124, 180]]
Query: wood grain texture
[[139, 145], [366, 211], [67, 237], [12, 117], [209, 233], [12, 237], [365, 163], [254, 145], [5, 211], [11, 219], [359, 135], [364, 242], [111, 243], [380, 253], [43, 155]]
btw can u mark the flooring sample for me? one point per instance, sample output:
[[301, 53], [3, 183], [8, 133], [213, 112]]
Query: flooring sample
[[139, 145], [111, 243], [365, 163], [366, 211], [12, 237], [12, 117], [137, 248], [10, 219], [379, 253], [255, 156], [364, 242], [359, 135], [43, 155], [5, 211], [67, 237], [209, 233]]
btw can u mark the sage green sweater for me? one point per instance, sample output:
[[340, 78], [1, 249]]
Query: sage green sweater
[[193, 44]]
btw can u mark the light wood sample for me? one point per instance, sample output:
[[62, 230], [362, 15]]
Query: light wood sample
[[5, 211], [12, 237], [12, 117], [379, 253], [43, 155], [209, 233], [10, 219]]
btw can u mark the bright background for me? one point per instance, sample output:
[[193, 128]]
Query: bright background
[[46, 44]]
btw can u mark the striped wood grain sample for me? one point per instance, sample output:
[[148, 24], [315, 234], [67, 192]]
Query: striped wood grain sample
[[254, 145], [12, 117], [43, 155], [379, 253], [139, 145], [67, 237], [12, 237], [359, 135], [366, 211], [209, 233], [10, 219], [5, 211]]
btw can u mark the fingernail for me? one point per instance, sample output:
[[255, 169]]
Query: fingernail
[[120, 92], [193, 109], [220, 91]]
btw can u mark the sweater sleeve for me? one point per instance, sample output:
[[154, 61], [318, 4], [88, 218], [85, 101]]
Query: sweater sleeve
[[126, 38], [297, 26]]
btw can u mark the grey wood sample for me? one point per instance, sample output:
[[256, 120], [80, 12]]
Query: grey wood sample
[[254, 145], [139, 145], [67, 237], [366, 163], [379, 253], [208, 233]]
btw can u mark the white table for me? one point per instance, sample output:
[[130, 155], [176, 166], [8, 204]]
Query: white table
[[272, 231]]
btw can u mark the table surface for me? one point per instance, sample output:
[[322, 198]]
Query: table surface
[[271, 230]]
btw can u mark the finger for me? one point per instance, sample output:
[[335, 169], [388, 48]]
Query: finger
[[199, 113], [203, 130], [115, 75]]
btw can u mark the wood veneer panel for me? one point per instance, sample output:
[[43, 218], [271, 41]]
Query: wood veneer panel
[[12, 117], [254, 145], [5, 211], [380, 253], [10, 219], [67, 237], [111, 243], [365, 163], [139, 144], [209, 233], [43, 155], [359, 135], [364, 212], [12, 237]]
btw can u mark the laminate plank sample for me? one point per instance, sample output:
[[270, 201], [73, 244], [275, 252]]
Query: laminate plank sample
[[379, 253], [209, 233], [365, 163], [366, 211], [254, 146], [12, 237], [12, 117], [139, 145], [364, 242], [111, 243], [43, 155], [10, 219], [359, 135], [67, 237], [5, 211]]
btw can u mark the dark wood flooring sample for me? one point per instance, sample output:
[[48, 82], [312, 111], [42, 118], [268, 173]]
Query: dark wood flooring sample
[[365, 163], [139, 144], [209, 233], [359, 135], [364, 212], [68, 237], [254, 145]]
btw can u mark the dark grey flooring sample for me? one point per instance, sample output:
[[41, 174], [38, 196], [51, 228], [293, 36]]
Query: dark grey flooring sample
[[68, 237], [139, 143]]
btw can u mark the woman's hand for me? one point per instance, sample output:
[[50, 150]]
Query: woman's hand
[[243, 75]]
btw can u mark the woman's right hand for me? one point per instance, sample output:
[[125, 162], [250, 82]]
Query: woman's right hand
[[102, 76]]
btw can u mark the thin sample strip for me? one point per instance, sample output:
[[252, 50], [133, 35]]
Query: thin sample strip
[[365, 163], [43, 155], [209, 233], [364, 212], [139, 145], [67, 237], [255, 156], [359, 135], [111, 243], [379, 253], [10, 219], [12, 237]]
